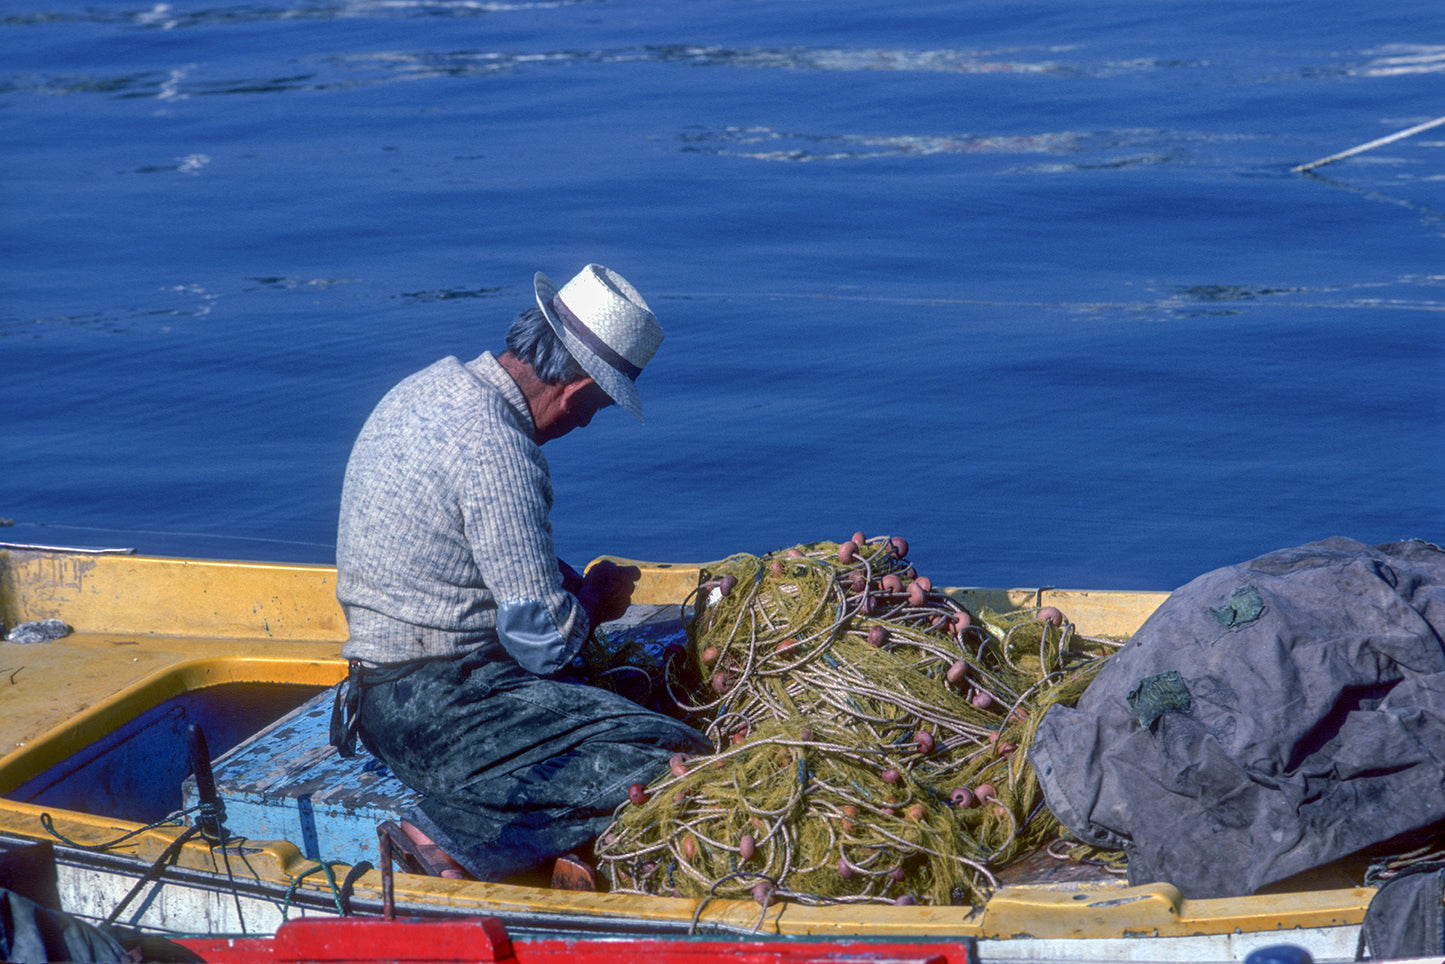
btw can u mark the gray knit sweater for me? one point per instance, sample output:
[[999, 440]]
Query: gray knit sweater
[[444, 544]]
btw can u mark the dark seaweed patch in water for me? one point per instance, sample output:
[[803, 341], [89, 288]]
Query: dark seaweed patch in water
[[449, 294]]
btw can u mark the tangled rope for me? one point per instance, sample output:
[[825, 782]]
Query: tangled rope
[[870, 736]]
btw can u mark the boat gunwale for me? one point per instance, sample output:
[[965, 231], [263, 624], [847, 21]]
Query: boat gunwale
[[1012, 913]]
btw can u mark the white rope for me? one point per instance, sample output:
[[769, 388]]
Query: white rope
[[1399, 135]]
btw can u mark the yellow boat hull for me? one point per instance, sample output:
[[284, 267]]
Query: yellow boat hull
[[149, 630]]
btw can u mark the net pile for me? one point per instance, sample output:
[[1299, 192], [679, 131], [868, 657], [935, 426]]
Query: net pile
[[867, 732]]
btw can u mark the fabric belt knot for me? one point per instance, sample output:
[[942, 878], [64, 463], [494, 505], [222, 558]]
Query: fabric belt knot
[[346, 709]]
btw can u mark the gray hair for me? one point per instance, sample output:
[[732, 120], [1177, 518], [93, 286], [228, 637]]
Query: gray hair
[[532, 339]]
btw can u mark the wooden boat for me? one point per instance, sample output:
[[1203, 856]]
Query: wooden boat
[[94, 755]]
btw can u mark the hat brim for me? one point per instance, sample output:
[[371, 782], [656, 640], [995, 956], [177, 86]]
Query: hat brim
[[618, 386]]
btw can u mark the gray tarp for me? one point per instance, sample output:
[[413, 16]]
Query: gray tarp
[[1269, 718], [32, 933]]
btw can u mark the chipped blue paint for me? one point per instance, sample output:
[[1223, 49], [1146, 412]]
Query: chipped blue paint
[[288, 783]]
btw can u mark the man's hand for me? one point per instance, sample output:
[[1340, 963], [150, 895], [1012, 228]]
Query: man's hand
[[607, 590], [571, 578]]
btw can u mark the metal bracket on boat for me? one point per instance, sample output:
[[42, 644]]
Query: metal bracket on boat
[[210, 823], [212, 814], [383, 857]]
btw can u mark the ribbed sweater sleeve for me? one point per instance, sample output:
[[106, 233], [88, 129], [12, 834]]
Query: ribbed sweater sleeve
[[445, 521]]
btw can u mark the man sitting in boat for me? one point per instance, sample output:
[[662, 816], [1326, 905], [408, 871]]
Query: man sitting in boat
[[462, 621]]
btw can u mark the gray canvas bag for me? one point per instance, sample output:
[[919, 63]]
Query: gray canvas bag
[[1269, 718]]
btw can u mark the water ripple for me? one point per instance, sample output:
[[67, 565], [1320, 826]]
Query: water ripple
[[165, 16], [767, 144], [1393, 60], [1066, 61], [1021, 61]]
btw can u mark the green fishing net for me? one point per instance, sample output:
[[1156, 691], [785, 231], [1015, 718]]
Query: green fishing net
[[871, 736]]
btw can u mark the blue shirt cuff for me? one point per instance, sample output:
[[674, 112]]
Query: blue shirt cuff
[[529, 633]]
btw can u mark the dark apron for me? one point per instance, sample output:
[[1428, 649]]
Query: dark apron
[[515, 769]]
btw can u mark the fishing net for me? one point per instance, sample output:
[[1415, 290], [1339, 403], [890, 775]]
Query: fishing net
[[871, 736]]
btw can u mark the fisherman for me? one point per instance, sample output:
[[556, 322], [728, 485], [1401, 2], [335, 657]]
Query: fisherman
[[463, 623]]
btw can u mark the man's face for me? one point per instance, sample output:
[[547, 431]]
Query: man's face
[[580, 407]]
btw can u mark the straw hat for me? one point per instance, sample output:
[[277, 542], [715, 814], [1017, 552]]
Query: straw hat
[[606, 326]]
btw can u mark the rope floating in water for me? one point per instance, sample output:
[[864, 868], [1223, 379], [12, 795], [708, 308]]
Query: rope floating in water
[[870, 736], [1371, 145]]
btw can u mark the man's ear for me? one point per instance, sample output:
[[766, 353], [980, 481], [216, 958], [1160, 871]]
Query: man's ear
[[571, 392]]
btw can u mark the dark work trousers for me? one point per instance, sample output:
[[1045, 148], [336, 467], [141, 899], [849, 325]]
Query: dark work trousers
[[515, 769]]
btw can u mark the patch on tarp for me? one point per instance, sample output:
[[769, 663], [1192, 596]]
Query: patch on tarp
[[1244, 606], [1157, 695]]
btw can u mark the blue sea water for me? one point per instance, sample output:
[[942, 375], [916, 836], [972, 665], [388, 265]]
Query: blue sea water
[[1032, 284]]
